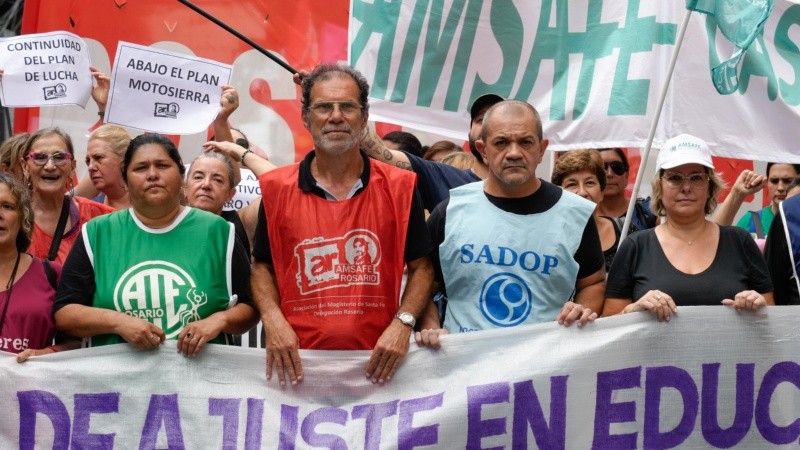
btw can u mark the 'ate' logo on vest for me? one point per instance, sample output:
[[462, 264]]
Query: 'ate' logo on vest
[[338, 262], [161, 293]]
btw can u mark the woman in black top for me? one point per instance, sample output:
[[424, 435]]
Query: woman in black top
[[688, 260]]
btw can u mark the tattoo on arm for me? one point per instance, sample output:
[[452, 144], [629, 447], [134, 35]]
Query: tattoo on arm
[[387, 154], [403, 165]]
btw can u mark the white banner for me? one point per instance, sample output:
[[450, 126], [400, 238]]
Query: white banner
[[165, 92], [46, 69], [710, 377], [594, 70]]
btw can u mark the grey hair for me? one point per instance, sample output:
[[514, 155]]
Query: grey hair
[[220, 157]]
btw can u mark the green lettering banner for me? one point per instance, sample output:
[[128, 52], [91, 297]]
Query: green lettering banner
[[593, 69]]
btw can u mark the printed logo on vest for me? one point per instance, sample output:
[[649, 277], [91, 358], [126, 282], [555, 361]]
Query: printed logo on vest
[[338, 262], [161, 293], [506, 300]]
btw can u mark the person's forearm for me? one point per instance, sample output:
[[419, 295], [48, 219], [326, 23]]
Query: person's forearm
[[419, 287], [727, 210], [257, 164], [239, 319], [373, 145], [429, 318], [264, 290], [590, 291], [87, 321]]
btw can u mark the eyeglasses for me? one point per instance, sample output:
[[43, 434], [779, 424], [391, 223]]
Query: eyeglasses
[[696, 180], [41, 158], [325, 109], [775, 181], [618, 167]]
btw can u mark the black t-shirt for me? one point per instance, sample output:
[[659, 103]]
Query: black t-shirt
[[779, 264], [418, 241], [232, 216], [77, 283], [435, 179], [641, 265], [589, 255]]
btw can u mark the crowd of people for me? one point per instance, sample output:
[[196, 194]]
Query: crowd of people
[[367, 243]]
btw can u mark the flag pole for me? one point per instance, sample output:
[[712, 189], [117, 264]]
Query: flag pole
[[646, 152], [244, 38]]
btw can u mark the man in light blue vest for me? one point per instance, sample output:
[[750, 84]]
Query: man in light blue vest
[[515, 249]]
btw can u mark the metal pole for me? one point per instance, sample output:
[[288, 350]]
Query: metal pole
[[654, 124], [244, 38]]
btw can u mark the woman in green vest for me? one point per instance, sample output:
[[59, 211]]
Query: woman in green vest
[[156, 271]]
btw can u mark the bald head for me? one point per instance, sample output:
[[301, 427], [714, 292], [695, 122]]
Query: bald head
[[510, 108]]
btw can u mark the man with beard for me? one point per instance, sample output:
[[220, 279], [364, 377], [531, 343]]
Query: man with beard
[[310, 296], [534, 256], [434, 179]]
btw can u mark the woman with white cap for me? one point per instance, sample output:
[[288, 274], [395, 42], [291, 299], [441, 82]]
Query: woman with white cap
[[687, 260]]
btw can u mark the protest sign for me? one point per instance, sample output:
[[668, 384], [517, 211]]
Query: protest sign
[[711, 377], [247, 191], [165, 92], [592, 69], [45, 69]]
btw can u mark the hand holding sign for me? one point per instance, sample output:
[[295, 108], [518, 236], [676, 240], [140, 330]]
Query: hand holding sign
[[101, 88]]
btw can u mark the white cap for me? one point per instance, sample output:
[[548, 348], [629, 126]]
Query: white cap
[[684, 149]]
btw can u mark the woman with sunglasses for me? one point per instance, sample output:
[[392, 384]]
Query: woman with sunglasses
[[614, 203], [48, 162], [687, 260]]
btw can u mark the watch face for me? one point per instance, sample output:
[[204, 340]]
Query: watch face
[[406, 318]]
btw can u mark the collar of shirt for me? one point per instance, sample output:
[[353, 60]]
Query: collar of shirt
[[307, 182]]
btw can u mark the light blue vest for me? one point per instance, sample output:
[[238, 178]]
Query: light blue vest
[[503, 269]]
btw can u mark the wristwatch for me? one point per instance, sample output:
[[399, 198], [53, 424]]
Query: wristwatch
[[406, 318]]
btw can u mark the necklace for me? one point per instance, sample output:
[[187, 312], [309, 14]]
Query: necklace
[[687, 242], [9, 286]]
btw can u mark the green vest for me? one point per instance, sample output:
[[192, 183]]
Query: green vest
[[168, 276]]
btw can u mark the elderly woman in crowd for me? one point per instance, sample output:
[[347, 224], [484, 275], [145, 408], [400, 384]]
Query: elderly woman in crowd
[[209, 185], [158, 270], [11, 155], [688, 260], [104, 153], [48, 165], [582, 172], [26, 317]]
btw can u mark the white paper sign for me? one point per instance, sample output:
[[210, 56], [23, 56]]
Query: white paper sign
[[45, 70], [247, 191], [165, 92]]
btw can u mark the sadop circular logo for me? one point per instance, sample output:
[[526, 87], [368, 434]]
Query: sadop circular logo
[[505, 300]]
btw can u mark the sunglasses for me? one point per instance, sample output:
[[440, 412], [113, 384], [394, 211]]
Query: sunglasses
[[618, 167]]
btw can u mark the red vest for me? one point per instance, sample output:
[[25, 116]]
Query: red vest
[[338, 264]]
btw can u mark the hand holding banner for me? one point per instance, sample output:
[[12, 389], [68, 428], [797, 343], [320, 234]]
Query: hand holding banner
[[165, 92], [45, 70]]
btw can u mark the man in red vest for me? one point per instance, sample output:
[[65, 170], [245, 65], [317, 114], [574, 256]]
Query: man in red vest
[[332, 239]]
